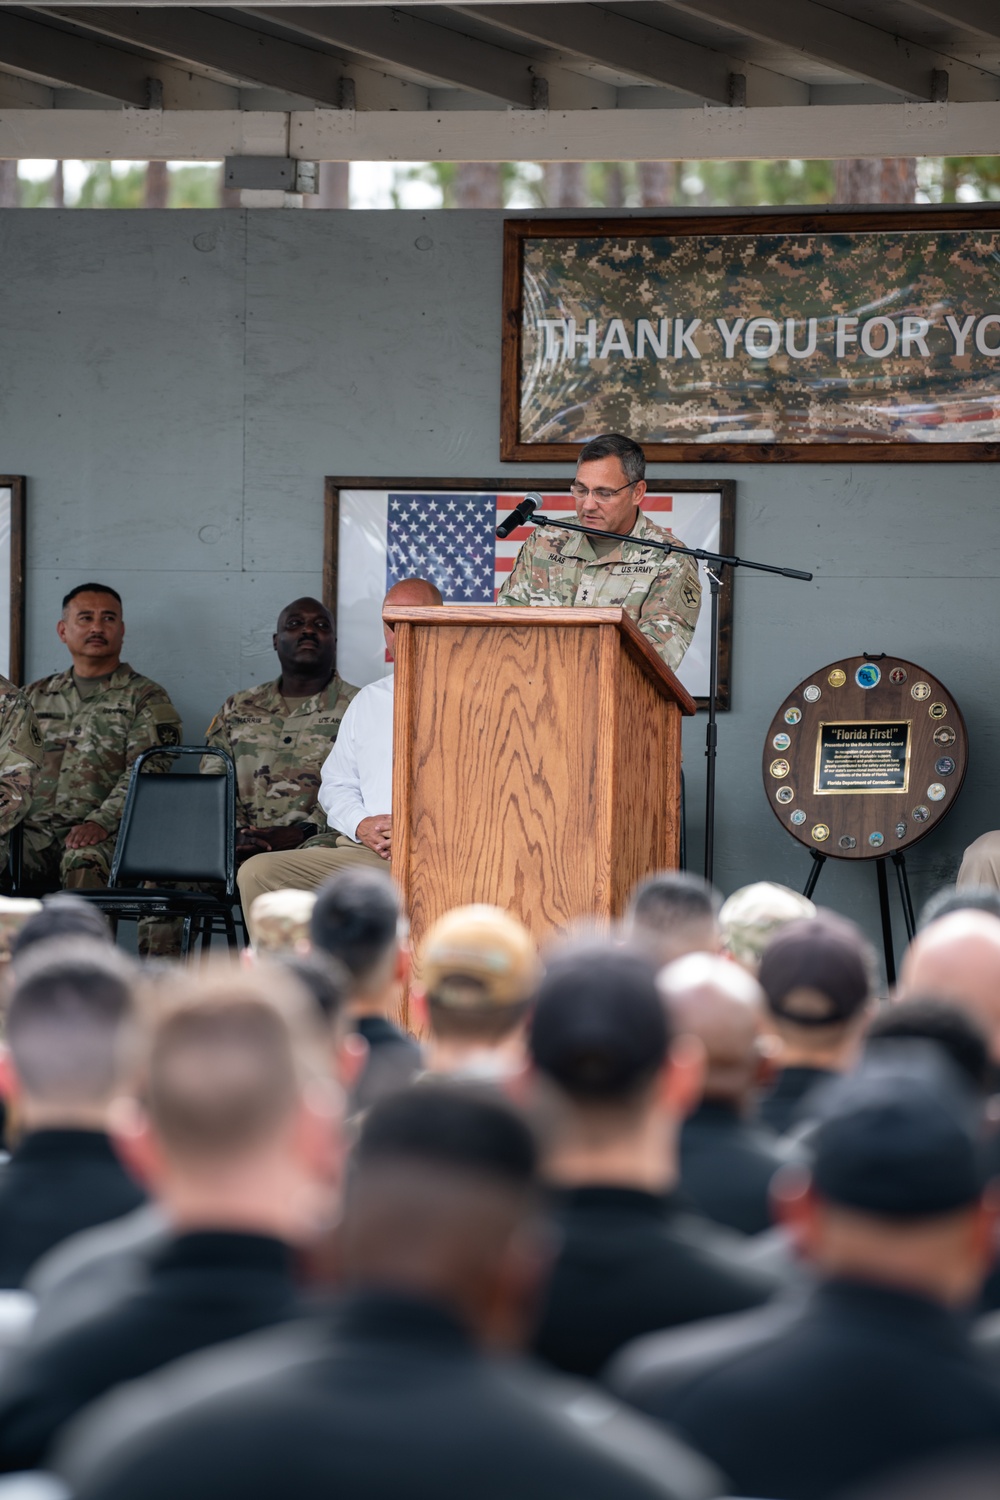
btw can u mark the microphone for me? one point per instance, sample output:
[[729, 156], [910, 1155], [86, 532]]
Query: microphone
[[520, 514]]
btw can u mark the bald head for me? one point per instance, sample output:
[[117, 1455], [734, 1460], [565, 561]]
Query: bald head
[[721, 1004], [408, 593], [414, 592], [957, 959]]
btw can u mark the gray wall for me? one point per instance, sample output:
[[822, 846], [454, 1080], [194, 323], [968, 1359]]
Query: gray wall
[[176, 385]]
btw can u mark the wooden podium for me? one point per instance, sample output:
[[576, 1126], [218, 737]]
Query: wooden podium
[[537, 761]]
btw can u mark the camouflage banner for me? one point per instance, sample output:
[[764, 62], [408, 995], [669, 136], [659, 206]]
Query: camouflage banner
[[742, 342]]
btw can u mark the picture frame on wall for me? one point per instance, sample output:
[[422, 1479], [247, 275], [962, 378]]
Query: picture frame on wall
[[12, 502], [796, 336], [379, 530]]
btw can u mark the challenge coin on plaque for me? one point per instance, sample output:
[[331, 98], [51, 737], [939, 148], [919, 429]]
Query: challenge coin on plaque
[[938, 710], [812, 693], [779, 768], [847, 842], [798, 817], [945, 735], [837, 677], [868, 675], [793, 715], [784, 794], [945, 766], [898, 676], [936, 791], [820, 833], [781, 741], [920, 691], [901, 830], [921, 813], [876, 840]]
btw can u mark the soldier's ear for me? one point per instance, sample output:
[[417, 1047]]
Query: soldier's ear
[[61, 629]]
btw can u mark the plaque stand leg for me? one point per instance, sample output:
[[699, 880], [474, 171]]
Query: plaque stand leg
[[906, 901]]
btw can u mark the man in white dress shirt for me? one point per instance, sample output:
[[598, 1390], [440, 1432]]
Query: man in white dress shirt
[[355, 788]]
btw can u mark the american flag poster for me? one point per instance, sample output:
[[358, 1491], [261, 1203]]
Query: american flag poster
[[449, 536]]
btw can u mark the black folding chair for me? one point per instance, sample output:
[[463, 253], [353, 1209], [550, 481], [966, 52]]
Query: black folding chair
[[176, 828]]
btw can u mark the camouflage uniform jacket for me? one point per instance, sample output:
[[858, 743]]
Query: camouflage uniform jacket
[[659, 590], [92, 743], [279, 755], [20, 758]]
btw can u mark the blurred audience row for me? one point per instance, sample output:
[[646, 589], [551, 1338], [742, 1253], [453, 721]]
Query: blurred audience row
[[683, 1211]]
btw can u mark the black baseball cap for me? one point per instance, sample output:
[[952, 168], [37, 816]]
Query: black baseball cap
[[818, 971], [899, 1137], [599, 1028]]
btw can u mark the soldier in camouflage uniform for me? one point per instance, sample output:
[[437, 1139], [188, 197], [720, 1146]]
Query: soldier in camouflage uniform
[[20, 760], [95, 720], [659, 590], [279, 735]]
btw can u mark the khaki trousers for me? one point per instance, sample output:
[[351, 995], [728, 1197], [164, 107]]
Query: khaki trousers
[[301, 870]]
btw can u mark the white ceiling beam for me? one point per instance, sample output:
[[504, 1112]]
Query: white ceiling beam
[[715, 134], [849, 45], [617, 42], [195, 37], [980, 16], [401, 40]]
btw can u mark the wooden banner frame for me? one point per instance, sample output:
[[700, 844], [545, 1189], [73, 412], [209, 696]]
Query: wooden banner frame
[[519, 232]]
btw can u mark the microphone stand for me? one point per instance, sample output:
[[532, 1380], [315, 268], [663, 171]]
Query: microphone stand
[[714, 562]]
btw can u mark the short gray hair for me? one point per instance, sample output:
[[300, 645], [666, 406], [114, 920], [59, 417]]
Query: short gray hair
[[616, 445]]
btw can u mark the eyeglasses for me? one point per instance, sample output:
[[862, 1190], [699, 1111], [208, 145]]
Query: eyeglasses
[[581, 492]]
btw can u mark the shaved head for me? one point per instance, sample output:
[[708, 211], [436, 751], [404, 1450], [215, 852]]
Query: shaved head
[[413, 591], [306, 603], [957, 959], [721, 1004]]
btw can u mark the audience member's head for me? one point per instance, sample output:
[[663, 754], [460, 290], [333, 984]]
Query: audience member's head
[[722, 1005], [817, 977], [413, 593], [279, 921], [896, 1191], [672, 914], [957, 958], [752, 915], [950, 899], [958, 1036], [70, 1032], [238, 1121], [479, 970], [63, 915], [600, 1042], [357, 919], [329, 985], [440, 1206]]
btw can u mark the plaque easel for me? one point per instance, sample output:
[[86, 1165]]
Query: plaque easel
[[862, 760]]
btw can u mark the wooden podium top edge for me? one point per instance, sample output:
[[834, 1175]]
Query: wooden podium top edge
[[541, 615]]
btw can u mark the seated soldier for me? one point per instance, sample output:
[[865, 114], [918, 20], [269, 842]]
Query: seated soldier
[[280, 733], [355, 790], [20, 760], [95, 720]]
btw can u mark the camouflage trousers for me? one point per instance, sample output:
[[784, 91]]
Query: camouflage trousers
[[49, 866]]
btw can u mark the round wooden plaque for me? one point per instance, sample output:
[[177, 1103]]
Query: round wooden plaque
[[865, 757]]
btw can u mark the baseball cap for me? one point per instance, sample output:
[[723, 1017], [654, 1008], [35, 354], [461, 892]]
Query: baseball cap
[[599, 1029], [479, 956], [751, 916], [280, 919], [899, 1136], [817, 971]]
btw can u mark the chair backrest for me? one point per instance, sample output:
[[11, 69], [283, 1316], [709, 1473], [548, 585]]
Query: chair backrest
[[176, 827]]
